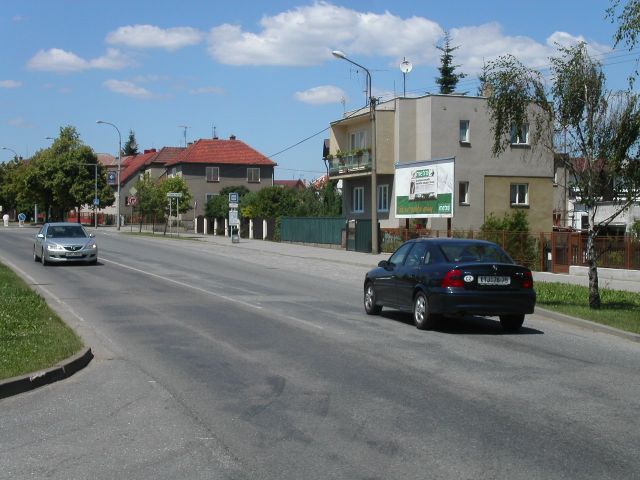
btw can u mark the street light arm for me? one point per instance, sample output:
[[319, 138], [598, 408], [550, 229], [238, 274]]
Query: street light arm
[[341, 55]]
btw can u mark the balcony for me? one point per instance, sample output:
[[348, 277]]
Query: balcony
[[347, 164]]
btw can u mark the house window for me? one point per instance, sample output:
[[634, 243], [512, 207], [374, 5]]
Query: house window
[[358, 140], [519, 194], [383, 198], [173, 173], [464, 131], [357, 202], [520, 135], [209, 196], [253, 175], [213, 174], [463, 193]]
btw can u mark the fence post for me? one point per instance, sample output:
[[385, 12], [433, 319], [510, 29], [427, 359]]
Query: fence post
[[251, 228], [264, 228], [205, 226]]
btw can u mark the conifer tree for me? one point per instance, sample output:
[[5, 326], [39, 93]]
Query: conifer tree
[[448, 79]]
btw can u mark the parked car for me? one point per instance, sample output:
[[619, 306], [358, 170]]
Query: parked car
[[437, 277], [64, 242]]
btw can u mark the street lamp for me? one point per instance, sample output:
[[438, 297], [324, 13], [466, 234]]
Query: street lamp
[[12, 150], [374, 180], [118, 175]]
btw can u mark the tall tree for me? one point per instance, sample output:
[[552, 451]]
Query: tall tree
[[131, 146], [627, 15], [448, 79], [601, 127]]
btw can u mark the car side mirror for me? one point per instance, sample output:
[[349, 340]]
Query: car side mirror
[[92, 235], [383, 263], [40, 235]]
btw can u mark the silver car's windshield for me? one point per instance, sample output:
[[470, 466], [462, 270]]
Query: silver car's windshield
[[66, 232]]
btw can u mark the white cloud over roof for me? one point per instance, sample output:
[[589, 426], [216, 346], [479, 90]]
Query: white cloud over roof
[[151, 36], [321, 95]]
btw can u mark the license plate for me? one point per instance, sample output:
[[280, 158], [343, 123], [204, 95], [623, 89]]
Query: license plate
[[489, 280], [74, 254]]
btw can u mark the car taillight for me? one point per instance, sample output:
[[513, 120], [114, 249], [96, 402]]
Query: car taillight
[[453, 278], [527, 282]]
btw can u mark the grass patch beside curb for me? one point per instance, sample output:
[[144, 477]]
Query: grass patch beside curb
[[619, 309], [32, 336], [170, 236]]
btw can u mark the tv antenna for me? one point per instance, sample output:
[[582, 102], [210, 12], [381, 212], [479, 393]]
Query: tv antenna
[[185, 134]]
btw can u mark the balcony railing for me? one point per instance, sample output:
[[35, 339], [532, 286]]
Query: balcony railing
[[350, 164]]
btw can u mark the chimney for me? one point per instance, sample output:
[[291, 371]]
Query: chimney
[[232, 137], [151, 150]]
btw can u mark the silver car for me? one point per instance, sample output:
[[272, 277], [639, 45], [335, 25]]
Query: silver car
[[64, 242]]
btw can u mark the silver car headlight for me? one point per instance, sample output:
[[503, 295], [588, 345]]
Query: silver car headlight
[[52, 247], [91, 246]]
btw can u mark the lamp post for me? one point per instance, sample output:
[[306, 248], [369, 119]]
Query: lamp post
[[12, 150], [95, 191], [374, 182], [118, 175]]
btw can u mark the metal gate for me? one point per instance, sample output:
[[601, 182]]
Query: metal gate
[[358, 233]]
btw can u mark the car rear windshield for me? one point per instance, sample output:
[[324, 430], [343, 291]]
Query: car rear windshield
[[71, 231], [474, 252]]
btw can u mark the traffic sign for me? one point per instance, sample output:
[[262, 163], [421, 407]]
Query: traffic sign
[[111, 177], [233, 197], [233, 218], [174, 195], [133, 200], [22, 217], [96, 201]]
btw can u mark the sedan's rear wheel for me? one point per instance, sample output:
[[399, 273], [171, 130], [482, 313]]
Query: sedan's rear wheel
[[422, 316], [370, 300], [511, 323]]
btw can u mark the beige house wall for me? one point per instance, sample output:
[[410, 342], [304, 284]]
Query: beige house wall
[[497, 200]]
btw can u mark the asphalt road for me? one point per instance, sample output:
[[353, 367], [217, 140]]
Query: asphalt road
[[221, 361]]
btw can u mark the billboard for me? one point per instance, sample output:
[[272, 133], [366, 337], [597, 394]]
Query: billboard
[[424, 189]]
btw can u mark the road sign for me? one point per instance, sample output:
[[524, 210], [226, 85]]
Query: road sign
[[22, 217], [96, 201], [233, 197], [111, 177], [133, 200], [174, 195], [233, 218]]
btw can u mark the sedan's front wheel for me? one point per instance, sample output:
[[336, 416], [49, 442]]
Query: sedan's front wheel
[[42, 259], [36, 258], [370, 300], [422, 316]]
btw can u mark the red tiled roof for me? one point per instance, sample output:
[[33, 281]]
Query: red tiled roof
[[290, 183], [218, 151], [106, 159], [165, 155], [134, 164]]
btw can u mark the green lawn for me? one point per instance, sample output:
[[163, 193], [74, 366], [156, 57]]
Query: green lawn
[[619, 309], [32, 336]]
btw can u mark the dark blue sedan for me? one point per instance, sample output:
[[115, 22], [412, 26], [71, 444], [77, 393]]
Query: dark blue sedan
[[434, 277]]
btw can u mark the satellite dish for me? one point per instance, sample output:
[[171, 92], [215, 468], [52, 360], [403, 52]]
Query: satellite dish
[[406, 66]]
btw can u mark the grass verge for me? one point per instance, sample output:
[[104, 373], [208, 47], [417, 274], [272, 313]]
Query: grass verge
[[32, 336], [619, 309]]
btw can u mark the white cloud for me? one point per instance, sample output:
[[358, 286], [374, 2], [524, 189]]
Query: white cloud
[[321, 95], [127, 88], [306, 35], [10, 84], [61, 61], [565, 39], [207, 90], [150, 36]]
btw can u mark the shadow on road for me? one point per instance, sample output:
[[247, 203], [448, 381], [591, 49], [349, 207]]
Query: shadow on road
[[470, 325]]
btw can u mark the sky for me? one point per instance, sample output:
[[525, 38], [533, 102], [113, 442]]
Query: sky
[[260, 70]]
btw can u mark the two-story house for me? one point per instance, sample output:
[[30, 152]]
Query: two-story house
[[208, 166], [411, 130]]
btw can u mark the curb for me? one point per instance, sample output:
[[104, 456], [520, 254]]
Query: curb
[[597, 327], [64, 369]]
